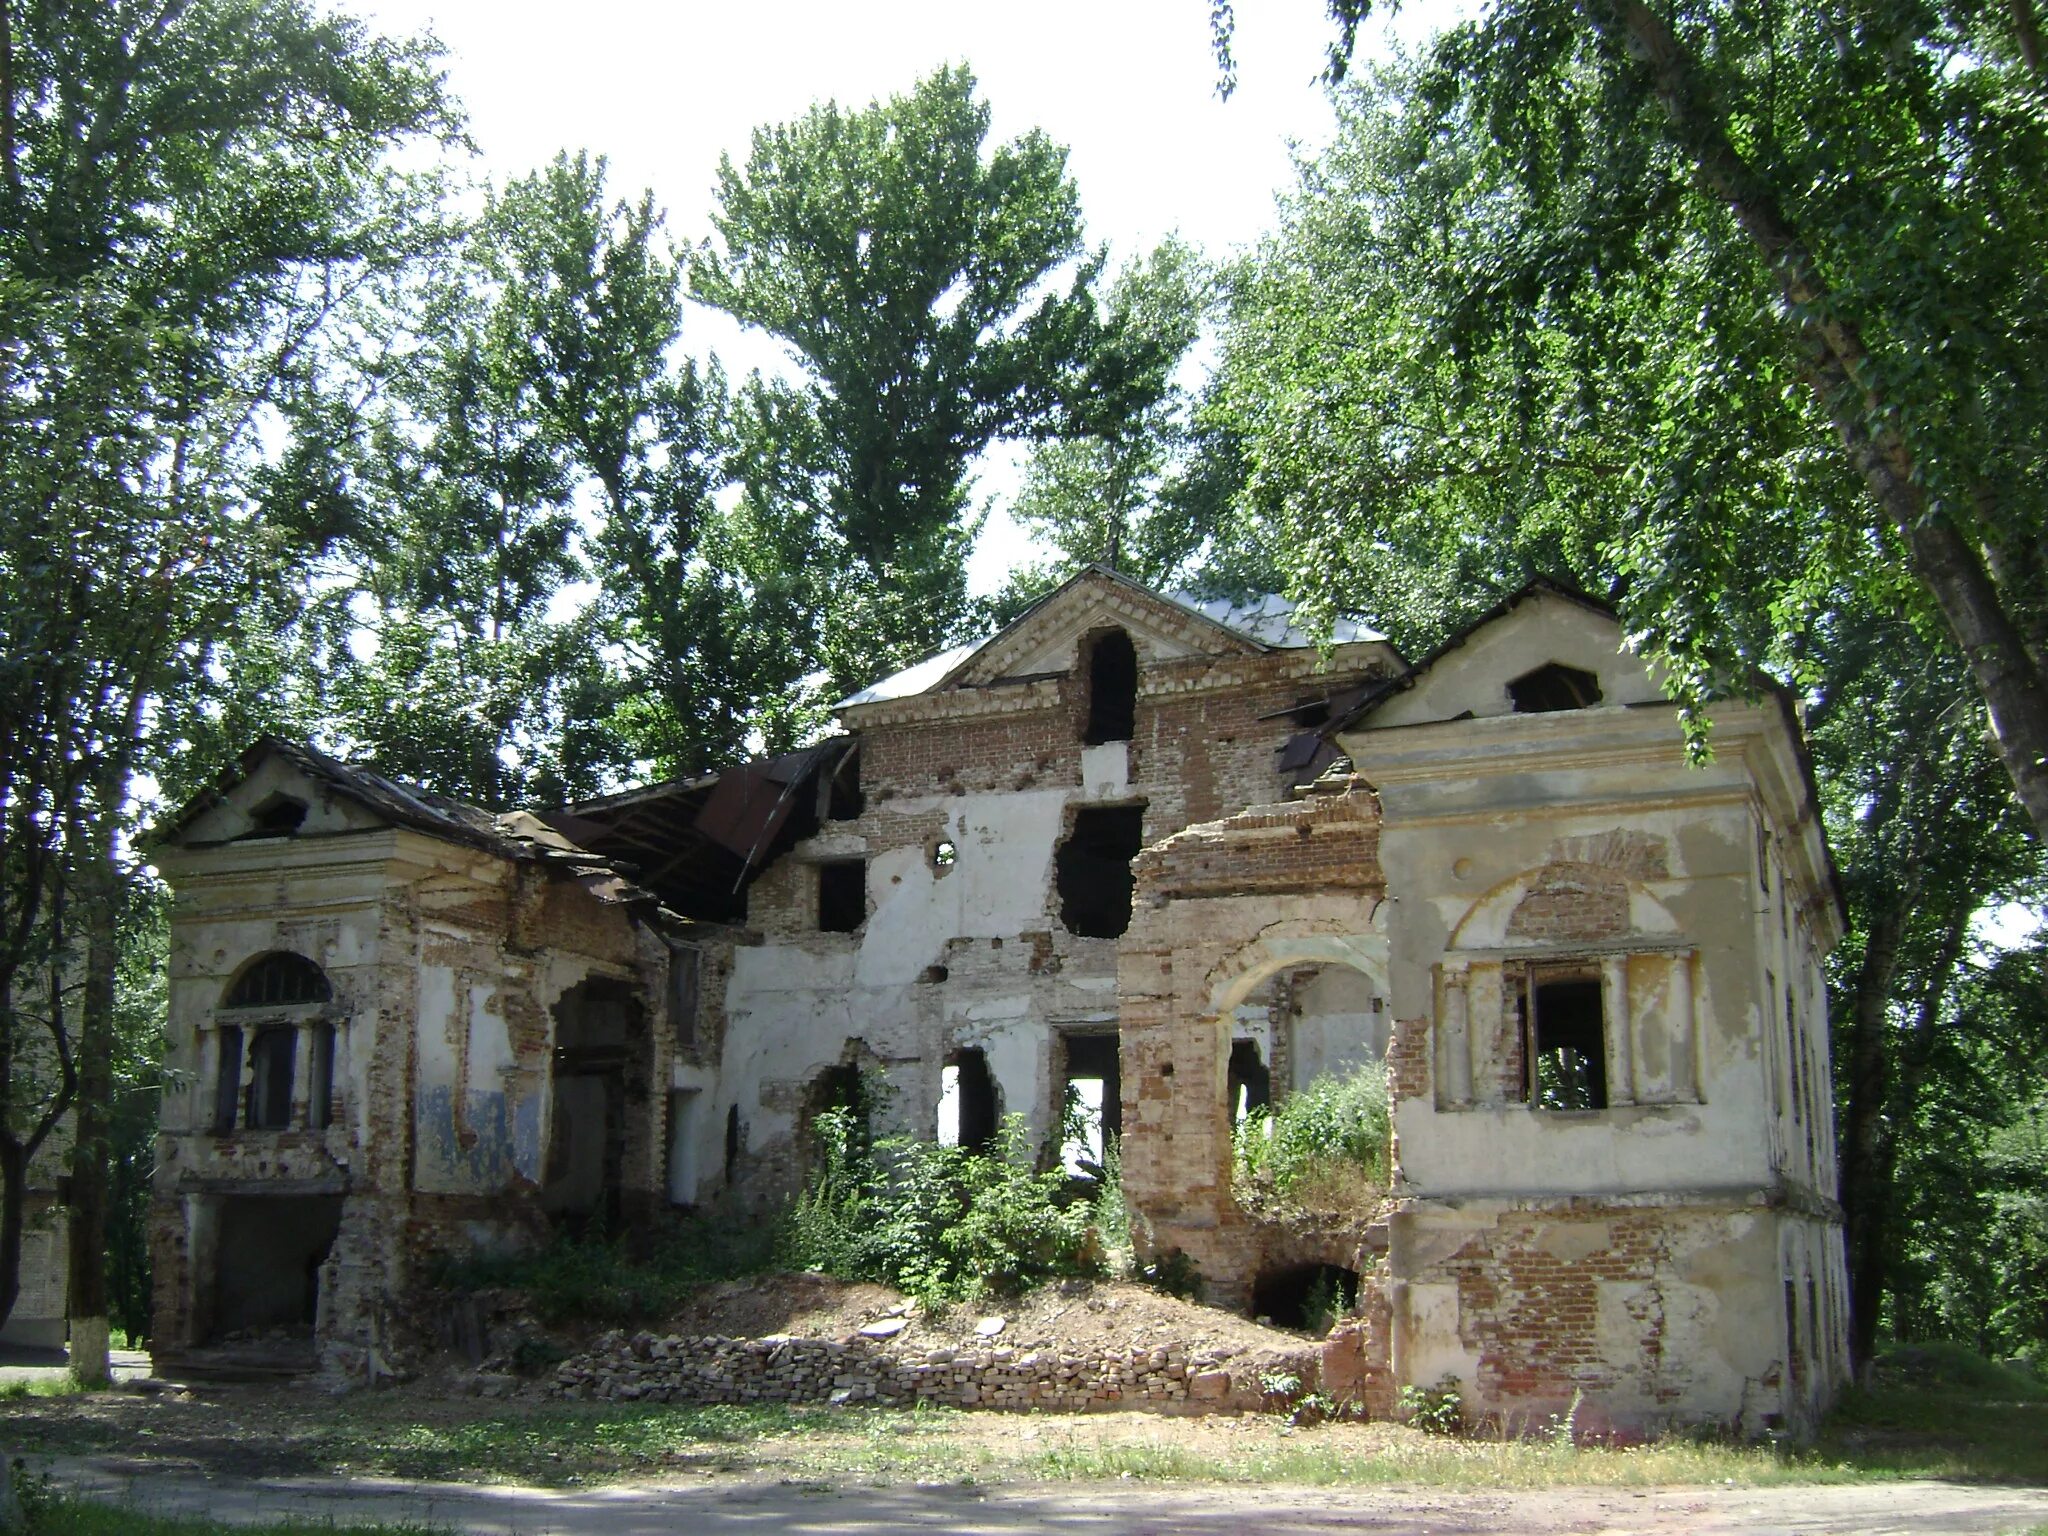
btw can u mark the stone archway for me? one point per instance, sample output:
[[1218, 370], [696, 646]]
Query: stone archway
[[1221, 907]]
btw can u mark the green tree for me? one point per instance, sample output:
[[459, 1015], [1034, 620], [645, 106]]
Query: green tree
[[1407, 444], [937, 294], [1138, 492], [1845, 207], [189, 189]]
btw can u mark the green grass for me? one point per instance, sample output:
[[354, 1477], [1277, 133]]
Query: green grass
[[1933, 1413], [60, 1385]]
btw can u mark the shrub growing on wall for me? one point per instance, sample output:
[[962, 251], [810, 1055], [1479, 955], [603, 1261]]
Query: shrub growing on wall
[[1325, 1148]]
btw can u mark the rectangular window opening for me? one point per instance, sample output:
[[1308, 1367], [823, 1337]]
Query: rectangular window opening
[[842, 895], [1092, 870], [1091, 1103], [270, 1079], [1566, 1042]]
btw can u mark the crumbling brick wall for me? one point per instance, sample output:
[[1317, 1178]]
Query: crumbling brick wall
[[1221, 906]]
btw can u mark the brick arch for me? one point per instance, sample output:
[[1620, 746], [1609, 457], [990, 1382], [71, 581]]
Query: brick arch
[[1563, 901], [1220, 907]]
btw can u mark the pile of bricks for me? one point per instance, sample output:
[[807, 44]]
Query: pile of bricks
[[1167, 1378]]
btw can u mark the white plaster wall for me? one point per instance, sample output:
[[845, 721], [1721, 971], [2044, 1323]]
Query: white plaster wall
[[1339, 1025], [1542, 629]]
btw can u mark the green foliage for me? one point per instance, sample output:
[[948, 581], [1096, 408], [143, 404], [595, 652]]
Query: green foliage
[[938, 294], [189, 197], [943, 1223], [1437, 1410], [1332, 1136], [1174, 1273]]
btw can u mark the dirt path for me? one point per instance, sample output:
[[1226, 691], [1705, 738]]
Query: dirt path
[[1922, 1508]]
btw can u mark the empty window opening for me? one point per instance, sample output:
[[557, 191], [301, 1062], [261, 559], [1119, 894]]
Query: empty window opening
[[1091, 1103], [1250, 1080], [1112, 688], [267, 1264], [968, 1107], [599, 1061], [685, 966], [843, 798], [279, 816], [1554, 687], [841, 1089], [1311, 1297], [227, 1082], [1093, 870], [942, 855], [279, 980], [682, 1161], [320, 1079], [842, 895], [271, 1056], [734, 1145], [1567, 1044]]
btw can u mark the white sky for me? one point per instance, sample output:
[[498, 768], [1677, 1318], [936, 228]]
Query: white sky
[[663, 87]]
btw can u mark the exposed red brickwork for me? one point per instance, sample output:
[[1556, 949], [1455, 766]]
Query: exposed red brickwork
[[1572, 903], [1534, 1314], [1408, 1075]]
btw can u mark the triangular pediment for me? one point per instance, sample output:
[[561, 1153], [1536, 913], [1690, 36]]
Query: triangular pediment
[[1046, 640], [271, 792]]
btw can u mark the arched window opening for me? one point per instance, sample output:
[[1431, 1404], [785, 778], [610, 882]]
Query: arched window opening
[[1554, 687], [279, 980], [1112, 689]]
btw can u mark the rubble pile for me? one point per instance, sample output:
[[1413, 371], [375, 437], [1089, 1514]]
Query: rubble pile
[[1162, 1378]]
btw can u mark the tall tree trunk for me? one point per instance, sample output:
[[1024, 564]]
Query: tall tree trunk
[[1849, 386], [1865, 1191], [87, 1302], [13, 1162]]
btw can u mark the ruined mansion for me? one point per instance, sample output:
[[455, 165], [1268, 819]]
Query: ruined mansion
[[1162, 858]]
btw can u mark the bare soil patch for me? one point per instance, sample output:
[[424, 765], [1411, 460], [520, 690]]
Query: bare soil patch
[[1074, 1316]]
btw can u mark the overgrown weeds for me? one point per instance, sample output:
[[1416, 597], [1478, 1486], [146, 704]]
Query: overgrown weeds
[[1324, 1150], [941, 1223]]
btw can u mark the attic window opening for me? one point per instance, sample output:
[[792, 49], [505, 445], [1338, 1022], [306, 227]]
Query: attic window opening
[[1566, 1038], [1112, 689], [842, 895], [279, 816], [843, 798], [1554, 687], [1092, 870]]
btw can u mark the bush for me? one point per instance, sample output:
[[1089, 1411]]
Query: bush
[[1326, 1147], [943, 1223]]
